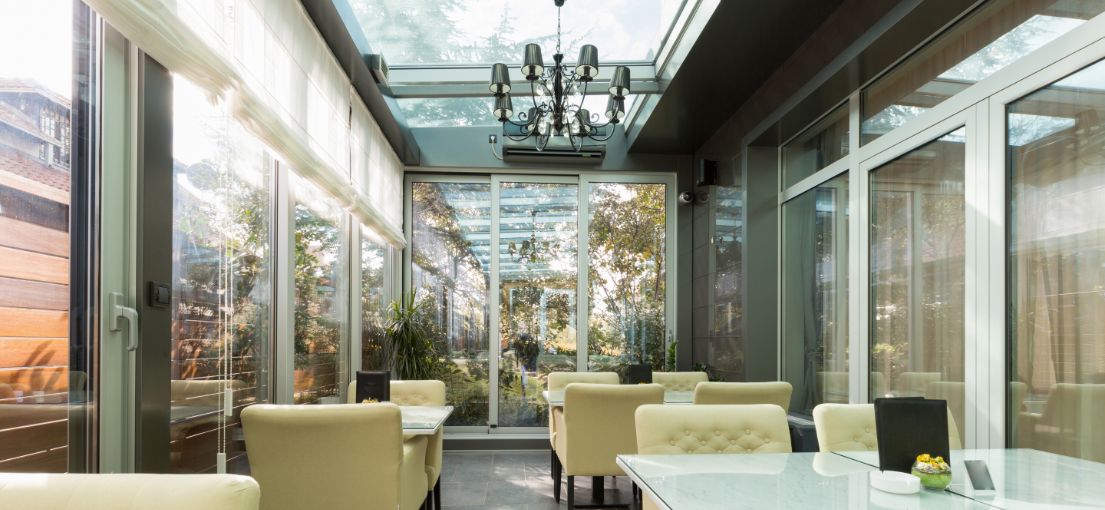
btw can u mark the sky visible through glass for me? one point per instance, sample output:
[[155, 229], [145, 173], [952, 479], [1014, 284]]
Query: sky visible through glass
[[456, 32]]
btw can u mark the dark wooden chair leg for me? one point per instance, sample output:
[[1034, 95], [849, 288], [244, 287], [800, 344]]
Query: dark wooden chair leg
[[556, 481], [552, 463], [437, 495], [571, 492], [598, 489]]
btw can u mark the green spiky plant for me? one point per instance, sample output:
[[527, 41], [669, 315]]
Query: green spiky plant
[[410, 348]]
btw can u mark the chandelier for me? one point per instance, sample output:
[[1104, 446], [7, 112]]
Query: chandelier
[[557, 95]]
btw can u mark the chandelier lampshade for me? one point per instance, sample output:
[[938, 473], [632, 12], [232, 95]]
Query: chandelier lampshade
[[587, 68], [533, 65], [504, 108], [615, 109], [619, 84], [500, 79]]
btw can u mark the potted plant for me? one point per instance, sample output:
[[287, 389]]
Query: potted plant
[[933, 471], [410, 348]]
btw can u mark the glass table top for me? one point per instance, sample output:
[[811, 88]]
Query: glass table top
[[420, 420], [772, 480], [1023, 478]]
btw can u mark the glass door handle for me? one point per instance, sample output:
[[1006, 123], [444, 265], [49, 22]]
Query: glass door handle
[[121, 311]]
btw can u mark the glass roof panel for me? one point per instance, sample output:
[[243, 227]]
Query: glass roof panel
[[422, 112], [478, 32]]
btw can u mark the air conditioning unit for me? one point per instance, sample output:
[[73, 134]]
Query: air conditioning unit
[[558, 150]]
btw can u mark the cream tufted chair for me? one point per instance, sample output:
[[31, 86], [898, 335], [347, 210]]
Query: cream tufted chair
[[556, 382], [777, 393], [419, 393], [42, 491], [666, 430], [596, 426], [679, 381], [663, 430], [851, 427], [334, 457]]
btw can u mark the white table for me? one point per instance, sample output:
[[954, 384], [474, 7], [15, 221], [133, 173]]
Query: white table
[[424, 420], [1023, 479], [771, 480], [556, 398]]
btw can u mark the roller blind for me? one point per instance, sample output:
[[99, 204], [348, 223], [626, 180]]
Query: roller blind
[[270, 64]]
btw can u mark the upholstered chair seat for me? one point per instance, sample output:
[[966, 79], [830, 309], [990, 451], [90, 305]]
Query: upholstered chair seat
[[744, 393], [45, 491], [679, 381], [419, 393], [337, 457], [851, 427], [596, 426]]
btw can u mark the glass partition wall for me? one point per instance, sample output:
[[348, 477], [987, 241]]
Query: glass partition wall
[[577, 280]]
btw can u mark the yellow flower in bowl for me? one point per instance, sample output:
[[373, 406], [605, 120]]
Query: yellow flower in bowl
[[934, 472]]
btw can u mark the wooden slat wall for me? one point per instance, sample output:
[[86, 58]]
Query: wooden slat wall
[[34, 343]]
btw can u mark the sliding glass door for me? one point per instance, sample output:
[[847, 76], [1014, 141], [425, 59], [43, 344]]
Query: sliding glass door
[[500, 264]]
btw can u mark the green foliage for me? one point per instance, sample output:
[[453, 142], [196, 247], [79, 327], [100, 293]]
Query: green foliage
[[669, 360], [410, 349]]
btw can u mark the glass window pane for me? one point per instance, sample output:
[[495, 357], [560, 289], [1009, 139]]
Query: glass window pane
[[815, 295], [36, 76], [321, 298], [538, 273], [451, 266], [487, 31], [1057, 267], [222, 287], [817, 147], [1000, 33], [421, 112], [917, 274], [626, 283], [373, 307], [718, 307]]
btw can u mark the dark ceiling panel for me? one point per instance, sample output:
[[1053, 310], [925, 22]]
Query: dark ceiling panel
[[741, 46]]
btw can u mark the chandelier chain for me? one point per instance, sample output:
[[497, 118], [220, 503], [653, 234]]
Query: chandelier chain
[[558, 29]]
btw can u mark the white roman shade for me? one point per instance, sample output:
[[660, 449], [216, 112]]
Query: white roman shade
[[267, 60]]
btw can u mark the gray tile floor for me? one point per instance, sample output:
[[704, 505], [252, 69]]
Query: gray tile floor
[[518, 480]]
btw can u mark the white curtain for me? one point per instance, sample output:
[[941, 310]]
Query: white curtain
[[267, 60]]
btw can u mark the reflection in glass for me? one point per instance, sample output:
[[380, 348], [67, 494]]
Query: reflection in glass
[[818, 147], [917, 274], [815, 295], [321, 259], [626, 283], [451, 267], [1000, 33], [537, 294], [222, 292], [373, 306], [37, 48], [1057, 267]]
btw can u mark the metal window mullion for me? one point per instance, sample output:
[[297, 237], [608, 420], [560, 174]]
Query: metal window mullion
[[583, 273], [493, 311], [356, 326], [858, 255], [284, 326]]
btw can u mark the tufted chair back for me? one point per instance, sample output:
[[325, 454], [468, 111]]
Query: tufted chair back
[[663, 430], [327, 456], [597, 425], [679, 381], [42, 491], [559, 380], [744, 393], [851, 427]]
